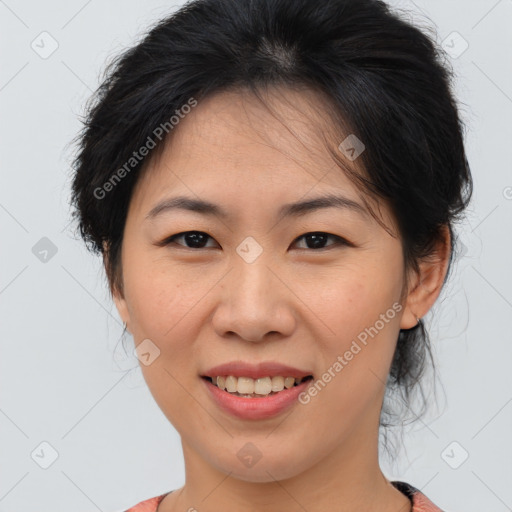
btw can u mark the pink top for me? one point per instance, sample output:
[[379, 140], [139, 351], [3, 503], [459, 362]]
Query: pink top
[[420, 503]]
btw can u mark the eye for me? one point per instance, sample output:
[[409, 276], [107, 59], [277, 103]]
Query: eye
[[317, 240], [198, 239]]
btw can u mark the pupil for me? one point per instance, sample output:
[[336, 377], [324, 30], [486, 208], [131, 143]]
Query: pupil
[[318, 239], [197, 239]]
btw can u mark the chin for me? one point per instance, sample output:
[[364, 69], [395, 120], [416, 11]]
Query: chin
[[266, 469], [264, 474]]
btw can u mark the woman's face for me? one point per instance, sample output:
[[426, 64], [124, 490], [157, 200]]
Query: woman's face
[[255, 289]]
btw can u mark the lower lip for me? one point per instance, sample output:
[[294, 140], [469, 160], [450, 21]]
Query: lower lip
[[256, 408]]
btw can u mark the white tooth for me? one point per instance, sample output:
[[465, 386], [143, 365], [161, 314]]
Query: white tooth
[[231, 384], [289, 382], [277, 384], [245, 385], [297, 381], [263, 386]]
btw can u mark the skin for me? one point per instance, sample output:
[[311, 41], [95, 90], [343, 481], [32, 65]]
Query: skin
[[295, 304]]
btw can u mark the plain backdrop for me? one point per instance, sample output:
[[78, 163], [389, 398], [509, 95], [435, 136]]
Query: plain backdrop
[[79, 429]]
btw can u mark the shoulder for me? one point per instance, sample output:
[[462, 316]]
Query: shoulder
[[149, 505], [420, 503]]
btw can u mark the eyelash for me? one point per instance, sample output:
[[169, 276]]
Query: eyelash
[[339, 241]]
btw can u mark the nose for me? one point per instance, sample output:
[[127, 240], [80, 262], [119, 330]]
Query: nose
[[255, 302]]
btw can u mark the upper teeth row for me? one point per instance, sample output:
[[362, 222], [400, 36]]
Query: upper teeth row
[[262, 386]]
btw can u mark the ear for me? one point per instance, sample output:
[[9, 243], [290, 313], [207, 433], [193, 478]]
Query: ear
[[425, 285], [117, 295]]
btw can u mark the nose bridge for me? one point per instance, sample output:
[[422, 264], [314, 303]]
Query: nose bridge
[[252, 261], [254, 281], [254, 302], [254, 285]]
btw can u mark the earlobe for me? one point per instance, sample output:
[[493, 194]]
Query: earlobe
[[117, 296], [427, 283], [122, 309]]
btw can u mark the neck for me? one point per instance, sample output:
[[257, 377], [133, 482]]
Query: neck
[[346, 479]]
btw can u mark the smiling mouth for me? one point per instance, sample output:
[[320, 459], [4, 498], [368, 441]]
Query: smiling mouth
[[255, 388]]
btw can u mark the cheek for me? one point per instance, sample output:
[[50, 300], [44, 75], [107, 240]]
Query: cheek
[[362, 313], [161, 302], [354, 299], [165, 307], [160, 297]]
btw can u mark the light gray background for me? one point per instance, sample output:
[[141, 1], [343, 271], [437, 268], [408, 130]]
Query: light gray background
[[64, 378]]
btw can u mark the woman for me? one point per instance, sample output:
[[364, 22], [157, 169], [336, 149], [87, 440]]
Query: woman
[[273, 186]]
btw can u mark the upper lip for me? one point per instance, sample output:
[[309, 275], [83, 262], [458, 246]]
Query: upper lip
[[256, 371]]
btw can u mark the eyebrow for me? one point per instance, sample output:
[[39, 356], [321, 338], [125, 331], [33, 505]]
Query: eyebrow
[[288, 210]]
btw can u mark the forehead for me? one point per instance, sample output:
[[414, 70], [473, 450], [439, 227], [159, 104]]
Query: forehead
[[234, 137]]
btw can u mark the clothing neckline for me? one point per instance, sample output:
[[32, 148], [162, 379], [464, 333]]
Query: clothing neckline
[[405, 488]]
